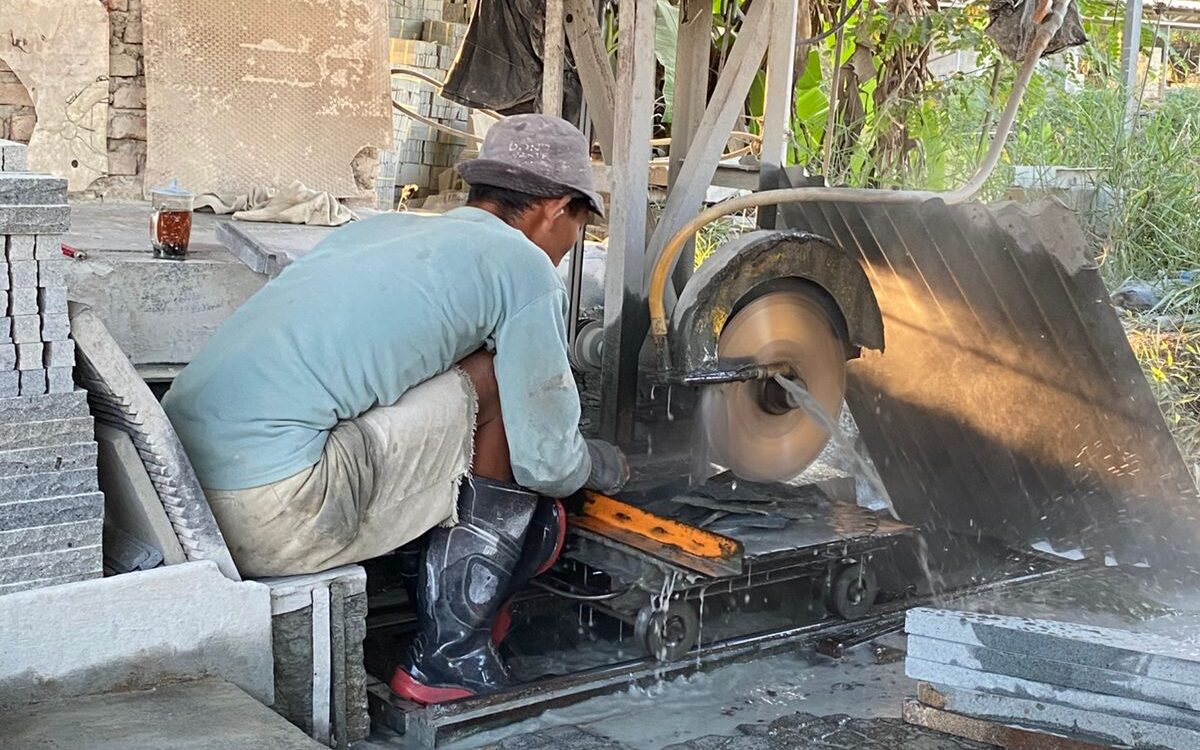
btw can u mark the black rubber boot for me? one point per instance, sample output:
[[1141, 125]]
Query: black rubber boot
[[465, 577], [543, 544]]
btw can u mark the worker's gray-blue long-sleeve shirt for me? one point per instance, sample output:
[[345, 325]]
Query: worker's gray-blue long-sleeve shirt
[[377, 308]]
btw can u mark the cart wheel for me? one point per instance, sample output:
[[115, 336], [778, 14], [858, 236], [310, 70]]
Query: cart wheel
[[854, 591], [668, 635]]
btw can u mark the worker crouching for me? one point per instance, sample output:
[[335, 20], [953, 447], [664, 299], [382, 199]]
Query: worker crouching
[[408, 380]]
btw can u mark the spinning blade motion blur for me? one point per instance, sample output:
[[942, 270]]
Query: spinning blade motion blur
[[752, 427]]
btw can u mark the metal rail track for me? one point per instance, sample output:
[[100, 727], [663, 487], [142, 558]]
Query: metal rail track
[[434, 726]]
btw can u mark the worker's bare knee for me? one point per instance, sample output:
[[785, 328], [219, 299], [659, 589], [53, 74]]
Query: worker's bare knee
[[480, 369]]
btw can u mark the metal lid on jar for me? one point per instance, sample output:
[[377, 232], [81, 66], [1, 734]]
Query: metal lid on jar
[[173, 191]]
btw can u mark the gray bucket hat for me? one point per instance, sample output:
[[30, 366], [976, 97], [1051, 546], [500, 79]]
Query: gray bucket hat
[[536, 154]]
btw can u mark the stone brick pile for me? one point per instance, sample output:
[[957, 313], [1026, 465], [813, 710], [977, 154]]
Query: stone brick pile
[[1092, 684], [426, 35], [51, 511]]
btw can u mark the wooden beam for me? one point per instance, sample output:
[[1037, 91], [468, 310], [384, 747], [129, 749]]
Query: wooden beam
[[978, 730], [777, 111], [595, 73], [692, 52], [553, 59], [728, 98], [626, 318]]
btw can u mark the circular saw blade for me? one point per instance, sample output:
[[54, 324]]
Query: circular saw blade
[[761, 444]]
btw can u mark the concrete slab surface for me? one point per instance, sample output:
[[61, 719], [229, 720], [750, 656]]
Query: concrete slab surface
[[161, 312], [204, 715], [135, 631]]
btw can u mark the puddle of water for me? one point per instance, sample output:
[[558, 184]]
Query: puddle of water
[[717, 702]]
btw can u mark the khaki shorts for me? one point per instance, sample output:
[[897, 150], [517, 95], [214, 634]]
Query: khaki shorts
[[384, 479]]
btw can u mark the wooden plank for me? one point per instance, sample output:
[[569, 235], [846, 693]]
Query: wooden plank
[[691, 97], [595, 73], [777, 112], [1011, 738], [725, 105], [552, 59]]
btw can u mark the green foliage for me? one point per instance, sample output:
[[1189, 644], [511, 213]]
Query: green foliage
[[666, 40]]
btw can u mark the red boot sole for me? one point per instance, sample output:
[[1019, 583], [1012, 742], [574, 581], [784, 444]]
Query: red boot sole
[[406, 687]]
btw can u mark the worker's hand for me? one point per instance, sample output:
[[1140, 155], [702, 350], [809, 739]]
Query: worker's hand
[[610, 470]]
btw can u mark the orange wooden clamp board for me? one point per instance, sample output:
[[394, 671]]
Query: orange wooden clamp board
[[669, 540]]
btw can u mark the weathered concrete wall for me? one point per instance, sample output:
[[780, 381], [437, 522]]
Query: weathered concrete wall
[[126, 136], [135, 631]]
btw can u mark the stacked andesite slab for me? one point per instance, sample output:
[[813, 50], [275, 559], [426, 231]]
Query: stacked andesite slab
[[1098, 685], [51, 510]]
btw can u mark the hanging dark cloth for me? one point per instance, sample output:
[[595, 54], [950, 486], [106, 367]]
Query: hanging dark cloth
[[500, 64]]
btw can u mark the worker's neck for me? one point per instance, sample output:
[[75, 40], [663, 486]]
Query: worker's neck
[[526, 223]]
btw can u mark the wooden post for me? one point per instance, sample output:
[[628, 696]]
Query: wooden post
[[777, 111], [595, 73], [691, 96], [552, 59], [626, 318], [725, 105]]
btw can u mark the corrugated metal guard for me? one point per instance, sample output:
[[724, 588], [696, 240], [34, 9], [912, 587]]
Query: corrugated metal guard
[[1008, 401]]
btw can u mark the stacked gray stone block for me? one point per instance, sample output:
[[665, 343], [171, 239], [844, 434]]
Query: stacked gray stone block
[[426, 36], [1096, 684], [51, 510]]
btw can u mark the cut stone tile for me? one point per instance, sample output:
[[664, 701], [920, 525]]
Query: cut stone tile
[[23, 273], [52, 299], [131, 503], [66, 406], [52, 272], [1105, 648], [1076, 723], [56, 327], [79, 561], [60, 380], [49, 247], [23, 301], [46, 433], [125, 401], [1035, 669], [997, 684], [12, 588], [13, 156], [29, 189], [49, 538], [34, 219], [6, 330], [60, 353], [4, 282], [10, 384], [50, 484], [20, 247], [8, 357], [30, 356], [26, 329], [33, 382], [25, 514], [53, 458]]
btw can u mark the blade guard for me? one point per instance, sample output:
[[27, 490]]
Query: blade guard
[[739, 270]]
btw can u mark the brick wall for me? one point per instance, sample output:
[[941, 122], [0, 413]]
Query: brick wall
[[127, 105]]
